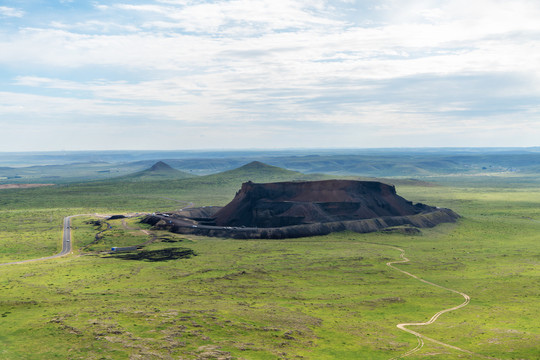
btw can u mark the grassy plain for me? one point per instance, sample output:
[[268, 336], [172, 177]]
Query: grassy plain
[[329, 297], [29, 234]]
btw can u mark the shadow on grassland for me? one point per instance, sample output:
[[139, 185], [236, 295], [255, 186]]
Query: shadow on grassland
[[154, 255]]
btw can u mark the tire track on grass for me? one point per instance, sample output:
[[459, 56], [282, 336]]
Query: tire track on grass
[[434, 318]]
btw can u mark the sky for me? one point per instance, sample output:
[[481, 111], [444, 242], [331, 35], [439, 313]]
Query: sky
[[235, 74]]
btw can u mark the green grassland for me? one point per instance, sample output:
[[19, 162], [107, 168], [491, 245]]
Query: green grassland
[[29, 234], [328, 297], [114, 195]]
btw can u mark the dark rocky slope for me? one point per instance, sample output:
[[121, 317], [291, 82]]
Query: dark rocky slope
[[297, 209], [310, 202]]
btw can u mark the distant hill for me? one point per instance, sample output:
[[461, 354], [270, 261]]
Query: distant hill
[[425, 164], [160, 168], [257, 171], [219, 189], [158, 171]]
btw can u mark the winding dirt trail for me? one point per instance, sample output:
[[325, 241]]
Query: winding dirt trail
[[434, 318]]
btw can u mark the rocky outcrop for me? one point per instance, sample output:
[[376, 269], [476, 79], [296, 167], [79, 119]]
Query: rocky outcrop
[[310, 202], [299, 209], [422, 220]]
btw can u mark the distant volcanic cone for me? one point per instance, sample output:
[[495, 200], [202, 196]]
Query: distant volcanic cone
[[161, 166], [308, 202]]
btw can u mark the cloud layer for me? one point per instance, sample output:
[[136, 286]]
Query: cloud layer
[[269, 73]]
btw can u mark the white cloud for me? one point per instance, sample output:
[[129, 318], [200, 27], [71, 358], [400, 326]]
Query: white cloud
[[384, 51], [253, 16], [93, 26], [175, 2], [291, 61], [6, 11], [145, 8]]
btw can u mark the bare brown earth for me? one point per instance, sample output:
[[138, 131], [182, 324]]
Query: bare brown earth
[[22, 186], [298, 209]]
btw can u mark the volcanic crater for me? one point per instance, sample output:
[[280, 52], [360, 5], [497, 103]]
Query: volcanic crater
[[305, 208]]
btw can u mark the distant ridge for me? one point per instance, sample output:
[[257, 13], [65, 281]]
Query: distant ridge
[[158, 171], [258, 168], [257, 171], [257, 165]]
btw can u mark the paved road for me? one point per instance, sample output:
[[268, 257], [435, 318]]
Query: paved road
[[66, 238], [66, 244]]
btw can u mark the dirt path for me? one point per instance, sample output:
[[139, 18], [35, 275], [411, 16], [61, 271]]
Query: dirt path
[[434, 318], [146, 232], [127, 227]]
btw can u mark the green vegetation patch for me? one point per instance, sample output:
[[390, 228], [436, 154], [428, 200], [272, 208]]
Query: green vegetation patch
[[102, 235], [29, 234]]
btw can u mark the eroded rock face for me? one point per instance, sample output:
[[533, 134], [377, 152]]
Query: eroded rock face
[[309, 202], [298, 209]]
